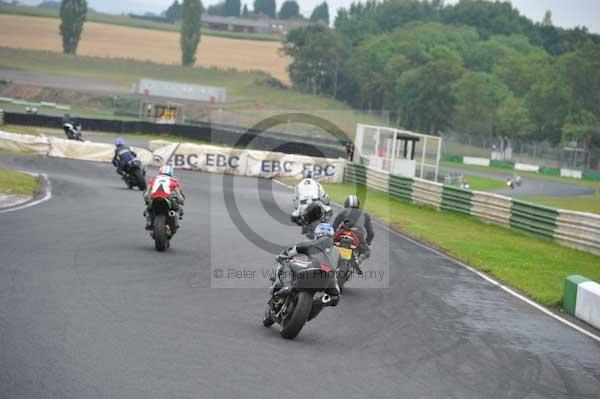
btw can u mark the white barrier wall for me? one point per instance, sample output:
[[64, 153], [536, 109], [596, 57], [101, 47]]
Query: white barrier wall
[[89, 151], [476, 161], [576, 174], [427, 193], [24, 143], [491, 207], [588, 303], [578, 230], [527, 167], [215, 159]]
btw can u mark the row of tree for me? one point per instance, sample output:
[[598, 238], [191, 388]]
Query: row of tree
[[289, 10], [477, 67], [73, 15]]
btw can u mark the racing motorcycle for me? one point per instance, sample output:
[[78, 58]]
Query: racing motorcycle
[[308, 297], [165, 222], [314, 214], [347, 243], [73, 131], [135, 175]]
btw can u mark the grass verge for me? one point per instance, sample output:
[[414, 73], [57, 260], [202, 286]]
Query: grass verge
[[583, 203], [483, 183], [17, 183], [534, 266]]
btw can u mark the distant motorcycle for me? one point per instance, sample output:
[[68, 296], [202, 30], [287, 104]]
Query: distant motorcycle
[[310, 282], [135, 175], [165, 223], [73, 131], [348, 244]]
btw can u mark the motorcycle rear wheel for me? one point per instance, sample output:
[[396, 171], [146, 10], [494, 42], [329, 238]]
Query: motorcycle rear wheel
[[291, 325], [141, 181], [161, 241]]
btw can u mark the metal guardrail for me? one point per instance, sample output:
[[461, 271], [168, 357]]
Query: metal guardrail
[[573, 229]]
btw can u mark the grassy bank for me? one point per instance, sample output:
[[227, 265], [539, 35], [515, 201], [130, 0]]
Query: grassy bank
[[244, 89], [483, 183], [583, 203], [123, 20], [534, 266], [18, 183]]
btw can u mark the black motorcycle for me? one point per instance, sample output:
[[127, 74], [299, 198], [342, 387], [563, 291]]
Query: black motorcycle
[[135, 175], [165, 223], [313, 216], [310, 283], [73, 131]]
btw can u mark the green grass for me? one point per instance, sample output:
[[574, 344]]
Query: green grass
[[483, 183], [584, 203], [123, 20], [536, 267], [12, 182], [244, 89]]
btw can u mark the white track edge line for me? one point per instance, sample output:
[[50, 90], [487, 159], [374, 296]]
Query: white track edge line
[[46, 197], [480, 274]]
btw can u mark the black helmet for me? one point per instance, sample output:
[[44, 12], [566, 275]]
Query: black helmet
[[352, 202], [313, 212]]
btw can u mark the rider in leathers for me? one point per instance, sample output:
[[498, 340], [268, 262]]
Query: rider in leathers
[[320, 250], [359, 222], [123, 155], [307, 192]]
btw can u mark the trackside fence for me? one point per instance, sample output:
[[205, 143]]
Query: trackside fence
[[573, 229]]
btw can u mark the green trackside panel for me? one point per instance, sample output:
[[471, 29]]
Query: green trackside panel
[[452, 158], [549, 171], [534, 219], [570, 293], [592, 176], [456, 200], [502, 164], [400, 187], [355, 173]]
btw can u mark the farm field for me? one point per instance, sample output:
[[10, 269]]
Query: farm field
[[103, 40]]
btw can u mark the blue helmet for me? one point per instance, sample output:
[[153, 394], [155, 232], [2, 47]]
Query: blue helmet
[[324, 229], [119, 141], [166, 170]]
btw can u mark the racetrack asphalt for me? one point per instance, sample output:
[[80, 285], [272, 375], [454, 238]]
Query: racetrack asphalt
[[531, 187], [88, 309]]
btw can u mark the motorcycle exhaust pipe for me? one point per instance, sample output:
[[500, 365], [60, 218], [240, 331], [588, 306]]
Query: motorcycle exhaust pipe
[[172, 214], [325, 299]]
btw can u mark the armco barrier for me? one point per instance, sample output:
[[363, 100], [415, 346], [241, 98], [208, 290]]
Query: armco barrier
[[533, 219], [427, 193], [573, 229], [582, 299], [492, 208], [578, 230], [400, 187], [457, 200]]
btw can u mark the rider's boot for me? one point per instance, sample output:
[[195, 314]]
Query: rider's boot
[[148, 217]]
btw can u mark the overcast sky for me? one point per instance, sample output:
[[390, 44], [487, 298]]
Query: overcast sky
[[566, 13]]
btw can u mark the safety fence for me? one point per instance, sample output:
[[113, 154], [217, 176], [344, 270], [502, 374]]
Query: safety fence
[[213, 133], [200, 157], [523, 167], [574, 229]]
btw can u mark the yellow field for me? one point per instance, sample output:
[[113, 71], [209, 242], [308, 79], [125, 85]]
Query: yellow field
[[104, 40]]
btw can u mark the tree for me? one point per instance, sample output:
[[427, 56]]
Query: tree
[[245, 11], [289, 9], [216, 9], [320, 13], [72, 15], [190, 31], [478, 98], [173, 13], [547, 19], [265, 7], [232, 8], [513, 118], [318, 54]]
